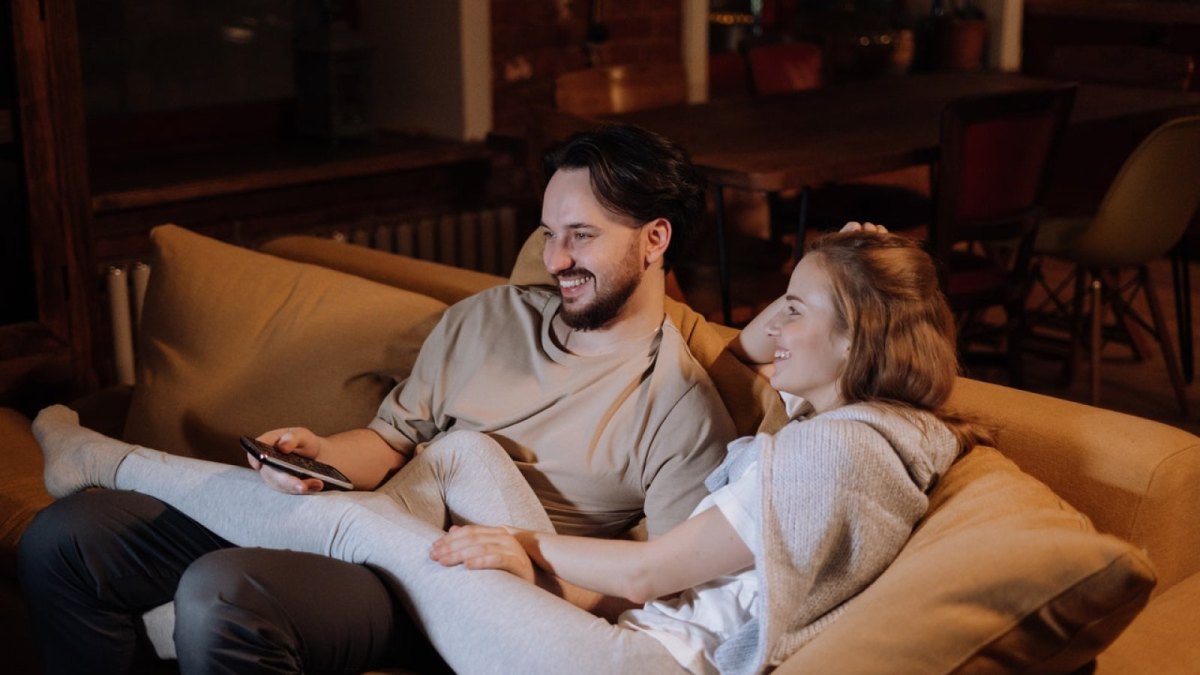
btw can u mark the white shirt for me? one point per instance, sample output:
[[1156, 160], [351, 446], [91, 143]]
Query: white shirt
[[692, 625]]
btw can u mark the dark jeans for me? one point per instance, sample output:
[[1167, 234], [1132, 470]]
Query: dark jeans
[[92, 563]]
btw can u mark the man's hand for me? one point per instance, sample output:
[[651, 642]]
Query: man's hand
[[854, 226], [484, 548], [287, 440]]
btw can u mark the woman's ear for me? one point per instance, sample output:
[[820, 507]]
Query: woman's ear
[[658, 238]]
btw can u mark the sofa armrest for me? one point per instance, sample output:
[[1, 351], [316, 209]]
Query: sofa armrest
[[442, 282], [1135, 478], [1162, 639], [23, 494]]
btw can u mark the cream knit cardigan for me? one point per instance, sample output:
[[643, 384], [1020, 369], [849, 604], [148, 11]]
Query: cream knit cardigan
[[841, 492]]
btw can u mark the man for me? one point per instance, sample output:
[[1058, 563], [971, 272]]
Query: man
[[587, 385]]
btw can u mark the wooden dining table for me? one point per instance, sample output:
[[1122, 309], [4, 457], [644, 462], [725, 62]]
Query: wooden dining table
[[804, 139]]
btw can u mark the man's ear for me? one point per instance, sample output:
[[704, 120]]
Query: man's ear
[[658, 238]]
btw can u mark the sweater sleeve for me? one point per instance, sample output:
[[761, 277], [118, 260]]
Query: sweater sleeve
[[838, 507]]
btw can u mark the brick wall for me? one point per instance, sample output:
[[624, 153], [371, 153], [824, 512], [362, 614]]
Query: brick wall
[[535, 40]]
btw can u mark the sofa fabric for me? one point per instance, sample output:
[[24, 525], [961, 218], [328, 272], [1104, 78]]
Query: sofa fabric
[[235, 342], [1144, 487]]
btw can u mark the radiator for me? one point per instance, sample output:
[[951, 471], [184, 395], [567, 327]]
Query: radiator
[[126, 293], [483, 240]]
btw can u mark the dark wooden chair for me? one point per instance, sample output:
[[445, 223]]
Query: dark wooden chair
[[992, 170], [780, 67]]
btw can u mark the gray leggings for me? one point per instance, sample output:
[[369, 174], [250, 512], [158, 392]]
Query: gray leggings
[[479, 620]]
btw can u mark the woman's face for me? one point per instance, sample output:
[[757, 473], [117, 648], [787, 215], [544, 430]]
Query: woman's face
[[809, 351]]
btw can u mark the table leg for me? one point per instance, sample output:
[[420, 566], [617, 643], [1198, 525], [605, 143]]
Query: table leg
[[801, 224], [1183, 311], [722, 254]]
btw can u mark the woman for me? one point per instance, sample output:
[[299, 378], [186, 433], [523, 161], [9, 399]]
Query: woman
[[797, 524]]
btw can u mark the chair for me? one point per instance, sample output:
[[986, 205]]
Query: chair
[[992, 170], [1153, 67], [726, 75], [1143, 214], [1126, 65], [782, 67]]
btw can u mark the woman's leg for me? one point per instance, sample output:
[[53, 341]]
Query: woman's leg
[[466, 478]]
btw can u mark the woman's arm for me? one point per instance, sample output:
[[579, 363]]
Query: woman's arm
[[752, 345], [698, 550]]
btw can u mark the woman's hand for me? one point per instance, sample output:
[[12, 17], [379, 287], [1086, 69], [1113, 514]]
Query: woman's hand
[[854, 226], [484, 548], [289, 439]]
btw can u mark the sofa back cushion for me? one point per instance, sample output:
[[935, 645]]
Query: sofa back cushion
[[1000, 576], [234, 342]]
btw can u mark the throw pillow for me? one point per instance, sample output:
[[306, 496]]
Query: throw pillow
[[1000, 576], [235, 342]]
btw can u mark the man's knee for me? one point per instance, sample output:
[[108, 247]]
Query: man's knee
[[75, 537], [262, 610], [221, 591], [221, 607]]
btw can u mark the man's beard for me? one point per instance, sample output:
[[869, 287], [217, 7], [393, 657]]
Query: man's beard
[[605, 306]]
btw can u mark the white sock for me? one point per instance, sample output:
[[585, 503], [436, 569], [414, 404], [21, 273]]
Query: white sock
[[75, 457]]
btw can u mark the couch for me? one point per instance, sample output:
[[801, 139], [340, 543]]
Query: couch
[[1069, 546]]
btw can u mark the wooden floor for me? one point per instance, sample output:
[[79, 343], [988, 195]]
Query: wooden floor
[[1137, 387]]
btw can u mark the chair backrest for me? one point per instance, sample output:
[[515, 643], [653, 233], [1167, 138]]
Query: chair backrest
[[783, 66], [1151, 201], [618, 89], [995, 156], [1128, 65], [727, 75]]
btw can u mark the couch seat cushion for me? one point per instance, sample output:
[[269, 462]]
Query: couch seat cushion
[[235, 342], [1000, 576]]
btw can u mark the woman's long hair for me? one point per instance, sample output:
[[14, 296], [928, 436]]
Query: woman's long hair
[[902, 335]]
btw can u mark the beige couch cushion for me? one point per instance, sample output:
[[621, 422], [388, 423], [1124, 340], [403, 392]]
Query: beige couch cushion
[[235, 342], [1001, 576], [23, 493]]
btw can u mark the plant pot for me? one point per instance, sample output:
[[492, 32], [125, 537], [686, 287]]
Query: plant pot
[[960, 43]]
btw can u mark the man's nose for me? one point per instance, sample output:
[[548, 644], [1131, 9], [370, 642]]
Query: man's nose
[[556, 257]]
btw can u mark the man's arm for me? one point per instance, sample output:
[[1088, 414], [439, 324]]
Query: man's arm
[[361, 454]]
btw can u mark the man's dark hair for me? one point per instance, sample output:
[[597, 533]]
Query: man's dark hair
[[639, 174]]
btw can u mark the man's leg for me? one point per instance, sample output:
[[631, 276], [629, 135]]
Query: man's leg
[[256, 610], [91, 564]]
